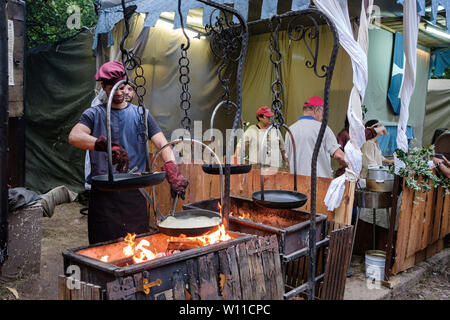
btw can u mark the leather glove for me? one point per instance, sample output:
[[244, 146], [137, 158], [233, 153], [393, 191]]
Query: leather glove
[[177, 182], [119, 155]]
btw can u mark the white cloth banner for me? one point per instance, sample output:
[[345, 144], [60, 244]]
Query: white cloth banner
[[410, 33], [357, 50]]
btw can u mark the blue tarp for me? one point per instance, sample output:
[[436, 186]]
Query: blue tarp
[[388, 144], [397, 72], [440, 59], [111, 15]]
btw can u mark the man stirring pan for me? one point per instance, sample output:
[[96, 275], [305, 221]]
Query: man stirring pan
[[113, 214], [305, 132]]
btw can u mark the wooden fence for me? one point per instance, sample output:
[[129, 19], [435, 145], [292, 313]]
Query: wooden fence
[[422, 226], [203, 186]]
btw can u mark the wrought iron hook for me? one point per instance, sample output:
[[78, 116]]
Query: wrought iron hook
[[188, 44]]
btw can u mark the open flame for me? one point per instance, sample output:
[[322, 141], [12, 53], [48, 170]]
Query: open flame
[[210, 238], [142, 252], [241, 215]]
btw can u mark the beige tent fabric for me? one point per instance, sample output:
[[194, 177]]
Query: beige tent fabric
[[300, 82], [159, 57], [380, 56], [437, 108]]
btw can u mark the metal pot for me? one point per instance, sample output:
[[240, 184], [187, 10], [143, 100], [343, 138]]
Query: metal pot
[[379, 185], [379, 173], [379, 179]]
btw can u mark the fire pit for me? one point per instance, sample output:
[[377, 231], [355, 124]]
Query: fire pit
[[290, 225], [157, 266]]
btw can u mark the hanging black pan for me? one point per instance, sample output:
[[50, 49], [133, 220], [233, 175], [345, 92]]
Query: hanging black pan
[[211, 168], [124, 181], [193, 222], [279, 199]]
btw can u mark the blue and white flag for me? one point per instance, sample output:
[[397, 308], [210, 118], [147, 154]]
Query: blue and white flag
[[397, 71]]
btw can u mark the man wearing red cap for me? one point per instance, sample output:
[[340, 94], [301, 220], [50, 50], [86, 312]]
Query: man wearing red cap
[[253, 137], [305, 132], [113, 214]]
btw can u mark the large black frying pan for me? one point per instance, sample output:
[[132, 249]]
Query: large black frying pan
[[188, 214], [235, 168], [279, 199], [127, 181], [124, 181]]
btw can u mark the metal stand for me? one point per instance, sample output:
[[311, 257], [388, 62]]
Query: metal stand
[[369, 200]]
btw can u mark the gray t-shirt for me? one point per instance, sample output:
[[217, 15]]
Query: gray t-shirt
[[305, 132], [125, 127]]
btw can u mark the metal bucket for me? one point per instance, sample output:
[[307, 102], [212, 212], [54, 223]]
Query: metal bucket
[[375, 261]]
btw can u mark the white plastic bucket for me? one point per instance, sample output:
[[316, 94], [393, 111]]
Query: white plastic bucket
[[375, 261]]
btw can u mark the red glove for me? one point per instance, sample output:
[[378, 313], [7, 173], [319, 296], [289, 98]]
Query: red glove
[[177, 182], [119, 155]]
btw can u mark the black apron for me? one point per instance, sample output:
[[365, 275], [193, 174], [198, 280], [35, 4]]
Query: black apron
[[113, 214]]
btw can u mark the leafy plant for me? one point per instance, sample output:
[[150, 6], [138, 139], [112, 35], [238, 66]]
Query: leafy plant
[[416, 165], [48, 21]]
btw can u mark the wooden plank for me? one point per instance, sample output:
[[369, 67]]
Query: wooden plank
[[429, 209], [89, 288], [268, 268], [62, 287], [235, 273], [404, 223], [193, 279], [208, 280], [96, 293], [337, 264], [244, 270], [445, 217], [437, 215], [278, 285], [178, 286], [343, 214], [256, 270], [415, 235], [225, 276]]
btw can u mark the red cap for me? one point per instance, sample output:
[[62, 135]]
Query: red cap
[[265, 111], [111, 72], [314, 101]]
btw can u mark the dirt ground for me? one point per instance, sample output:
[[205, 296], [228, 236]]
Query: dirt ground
[[67, 229], [434, 285]]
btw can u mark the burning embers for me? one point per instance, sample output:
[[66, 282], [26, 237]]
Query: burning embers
[[240, 215], [147, 249]]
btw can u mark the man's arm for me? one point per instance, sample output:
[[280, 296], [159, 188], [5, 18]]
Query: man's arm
[[442, 167], [80, 137], [159, 141], [339, 155]]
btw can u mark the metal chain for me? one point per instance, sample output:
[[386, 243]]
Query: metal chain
[[183, 63], [130, 61], [277, 85]]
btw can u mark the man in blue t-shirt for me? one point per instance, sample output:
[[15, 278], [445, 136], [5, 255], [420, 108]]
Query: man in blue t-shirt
[[113, 214]]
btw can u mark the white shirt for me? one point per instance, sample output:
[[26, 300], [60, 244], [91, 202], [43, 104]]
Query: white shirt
[[274, 145], [305, 132]]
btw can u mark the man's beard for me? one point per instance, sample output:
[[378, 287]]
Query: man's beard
[[118, 99]]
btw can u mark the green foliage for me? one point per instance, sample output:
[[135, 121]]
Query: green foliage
[[416, 165], [47, 20], [445, 74]]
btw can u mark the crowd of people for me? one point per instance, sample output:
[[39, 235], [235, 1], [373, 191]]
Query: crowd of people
[[113, 214], [280, 152]]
